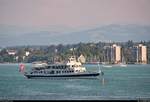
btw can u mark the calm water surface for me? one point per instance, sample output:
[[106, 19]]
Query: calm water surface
[[131, 82]]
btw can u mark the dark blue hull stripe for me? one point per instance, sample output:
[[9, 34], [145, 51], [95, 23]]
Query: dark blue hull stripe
[[71, 75]]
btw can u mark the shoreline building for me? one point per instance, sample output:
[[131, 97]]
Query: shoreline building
[[107, 55], [112, 54], [141, 54], [134, 55], [116, 53]]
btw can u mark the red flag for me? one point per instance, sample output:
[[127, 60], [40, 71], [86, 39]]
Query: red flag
[[21, 67]]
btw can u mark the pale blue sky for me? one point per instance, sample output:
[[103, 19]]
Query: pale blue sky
[[53, 19]]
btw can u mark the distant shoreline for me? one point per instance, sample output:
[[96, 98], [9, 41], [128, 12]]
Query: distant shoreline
[[15, 63], [90, 63]]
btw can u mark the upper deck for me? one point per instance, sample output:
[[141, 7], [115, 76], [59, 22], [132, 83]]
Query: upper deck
[[71, 64]]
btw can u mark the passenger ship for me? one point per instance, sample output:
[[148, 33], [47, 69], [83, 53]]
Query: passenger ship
[[72, 68]]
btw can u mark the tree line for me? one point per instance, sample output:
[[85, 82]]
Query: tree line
[[92, 51]]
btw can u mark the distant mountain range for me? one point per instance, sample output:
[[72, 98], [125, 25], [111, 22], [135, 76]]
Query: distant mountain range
[[14, 35]]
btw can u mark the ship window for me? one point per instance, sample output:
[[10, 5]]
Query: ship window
[[52, 72], [53, 67], [60, 67], [49, 66], [57, 71], [64, 66]]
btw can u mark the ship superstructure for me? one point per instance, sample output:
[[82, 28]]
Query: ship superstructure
[[72, 68]]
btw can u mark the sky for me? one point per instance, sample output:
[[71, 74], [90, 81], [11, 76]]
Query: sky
[[59, 18]]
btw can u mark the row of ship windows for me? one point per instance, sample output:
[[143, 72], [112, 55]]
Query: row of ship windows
[[52, 72], [62, 67], [57, 67], [64, 71], [76, 66]]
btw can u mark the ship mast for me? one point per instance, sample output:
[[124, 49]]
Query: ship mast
[[72, 51]]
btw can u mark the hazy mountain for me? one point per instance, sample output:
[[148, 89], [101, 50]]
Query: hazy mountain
[[14, 35]]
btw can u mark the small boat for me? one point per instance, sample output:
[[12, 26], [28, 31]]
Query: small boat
[[123, 65], [107, 66], [72, 69]]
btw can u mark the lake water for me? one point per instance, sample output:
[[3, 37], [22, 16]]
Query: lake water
[[118, 83]]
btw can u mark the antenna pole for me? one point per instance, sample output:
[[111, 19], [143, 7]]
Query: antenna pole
[[100, 71], [99, 68]]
